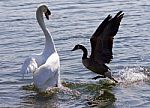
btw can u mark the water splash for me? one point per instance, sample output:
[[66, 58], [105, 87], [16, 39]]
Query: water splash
[[132, 75], [52, 91]]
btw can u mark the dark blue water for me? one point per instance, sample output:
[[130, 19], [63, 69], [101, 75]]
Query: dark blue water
[[73, 22]]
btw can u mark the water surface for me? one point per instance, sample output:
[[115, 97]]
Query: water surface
[[73, 22]]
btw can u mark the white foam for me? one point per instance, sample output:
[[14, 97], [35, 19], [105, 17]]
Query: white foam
[[132, 74], [64, 90]]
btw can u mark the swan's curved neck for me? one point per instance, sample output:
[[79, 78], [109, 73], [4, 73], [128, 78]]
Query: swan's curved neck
[[49, 44], [85, 53]]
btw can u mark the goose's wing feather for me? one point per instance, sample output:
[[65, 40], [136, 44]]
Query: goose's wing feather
[[102, 39], [97, 34], [47, 74], [29, 65]]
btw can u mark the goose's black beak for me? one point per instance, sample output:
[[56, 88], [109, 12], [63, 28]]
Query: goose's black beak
[[75, 48], [47, 14]]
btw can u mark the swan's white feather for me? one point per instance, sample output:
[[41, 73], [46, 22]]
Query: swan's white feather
[[29, 65], [47, 75], [45, 66]]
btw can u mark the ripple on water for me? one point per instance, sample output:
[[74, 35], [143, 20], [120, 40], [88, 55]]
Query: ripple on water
[[73, 22]]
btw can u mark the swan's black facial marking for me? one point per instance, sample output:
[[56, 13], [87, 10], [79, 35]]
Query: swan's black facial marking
[[47, 13]]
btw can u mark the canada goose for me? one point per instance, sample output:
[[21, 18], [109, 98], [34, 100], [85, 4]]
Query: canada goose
[[101, 47], [46, 65]]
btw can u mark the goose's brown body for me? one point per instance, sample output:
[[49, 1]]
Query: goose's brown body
[[101, 46], [94, 66]]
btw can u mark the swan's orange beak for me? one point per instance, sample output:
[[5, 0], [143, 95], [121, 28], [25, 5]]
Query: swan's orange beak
[[47, 14]]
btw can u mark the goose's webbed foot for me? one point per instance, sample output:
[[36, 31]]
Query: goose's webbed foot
[[94, 78]]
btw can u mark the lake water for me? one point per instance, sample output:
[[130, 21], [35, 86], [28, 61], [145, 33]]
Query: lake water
[[73, 22]]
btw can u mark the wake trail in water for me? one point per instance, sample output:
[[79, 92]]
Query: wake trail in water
[[53, 90], [127, 76]]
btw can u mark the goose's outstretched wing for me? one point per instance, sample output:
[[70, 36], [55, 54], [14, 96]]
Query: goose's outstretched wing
[[29, 65], [102, 39]]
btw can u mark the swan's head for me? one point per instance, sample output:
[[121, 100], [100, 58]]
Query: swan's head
[[45, 10], [78, 46]]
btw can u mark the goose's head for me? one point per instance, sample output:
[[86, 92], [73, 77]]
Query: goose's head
[[78, 46], [45, 10], [85, 53]]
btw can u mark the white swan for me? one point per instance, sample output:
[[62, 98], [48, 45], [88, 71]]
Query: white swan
[[45, 66]]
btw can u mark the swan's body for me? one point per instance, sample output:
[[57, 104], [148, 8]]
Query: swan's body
[[45, 66], [101, 47]]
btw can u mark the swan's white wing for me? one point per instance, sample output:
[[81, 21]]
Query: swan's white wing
[[29, 65], [47, 75]]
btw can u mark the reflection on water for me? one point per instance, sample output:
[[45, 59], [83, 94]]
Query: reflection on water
[[52, 91], [99, 94], [103, 98], [51, 96], [72, 22], [39, 101]]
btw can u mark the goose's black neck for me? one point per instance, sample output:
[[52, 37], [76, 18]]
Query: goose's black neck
[[85, 53]]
